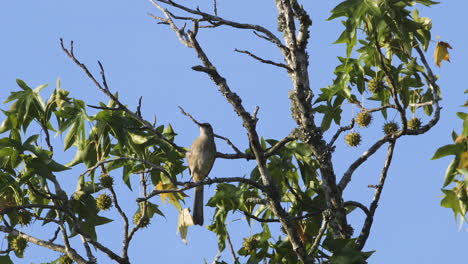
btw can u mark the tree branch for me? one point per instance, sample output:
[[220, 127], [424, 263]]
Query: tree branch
[[349, 172], [281, 65], [340, 130], [361, 241], [221, 21], [55, 247], [358, 205], [318, 237], [207, 181], [105, 89]]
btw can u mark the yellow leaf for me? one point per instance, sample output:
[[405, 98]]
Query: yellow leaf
[[185, 220], [172, 197], [441, 52], [463, 164]]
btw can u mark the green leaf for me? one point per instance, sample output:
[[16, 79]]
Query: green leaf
[[343, 8], [451, 201], [452, 149], [450, 172], [5, 260], [427, 2]]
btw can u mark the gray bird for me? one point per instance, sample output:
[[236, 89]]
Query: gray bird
[[200, 159]]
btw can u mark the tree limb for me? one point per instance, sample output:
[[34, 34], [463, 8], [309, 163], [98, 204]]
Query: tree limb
[[55, 247], [207, 181], [361, 241], [277, 64]]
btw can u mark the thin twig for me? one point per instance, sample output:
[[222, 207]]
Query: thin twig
[[358, 162], [281, 65], [358, 205], [231, 247], [294, 218], [105, 89], [105, 108], [361, 241], [207, 181], [340, 130], [318, 237]]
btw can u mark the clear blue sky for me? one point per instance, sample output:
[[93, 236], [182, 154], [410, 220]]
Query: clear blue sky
[[145, 59]]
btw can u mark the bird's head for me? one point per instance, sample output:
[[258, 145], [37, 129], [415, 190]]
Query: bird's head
[[206, 129]]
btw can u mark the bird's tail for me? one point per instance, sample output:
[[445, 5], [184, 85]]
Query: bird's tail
[[198, 206]]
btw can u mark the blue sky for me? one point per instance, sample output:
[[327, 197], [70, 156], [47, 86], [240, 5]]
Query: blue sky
[[143, 58]]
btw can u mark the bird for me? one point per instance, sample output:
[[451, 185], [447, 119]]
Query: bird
[[201, 158]]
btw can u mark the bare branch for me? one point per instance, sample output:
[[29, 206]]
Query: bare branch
[[124, 218], [189, 116], [105, 108], [358, 205], [101, 247], [281, 65], [105, 89], [319, 236], [370, 110], [280, 144], [92, 259], [207, 181], [294, 218], [231, 247], [220, 21], [361, 241], [349, 172], [340, 130]]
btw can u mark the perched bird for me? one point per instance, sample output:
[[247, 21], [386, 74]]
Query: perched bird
[[200, 159]]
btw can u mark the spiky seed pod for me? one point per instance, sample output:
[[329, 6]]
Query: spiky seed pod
[[375, 85], [104, 202], [19, 244], [64, 259], [353, 139], [138, 216], [414, 123], [390, 128], [106, 181], [364, 119], [250, 244], [24, 218]]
